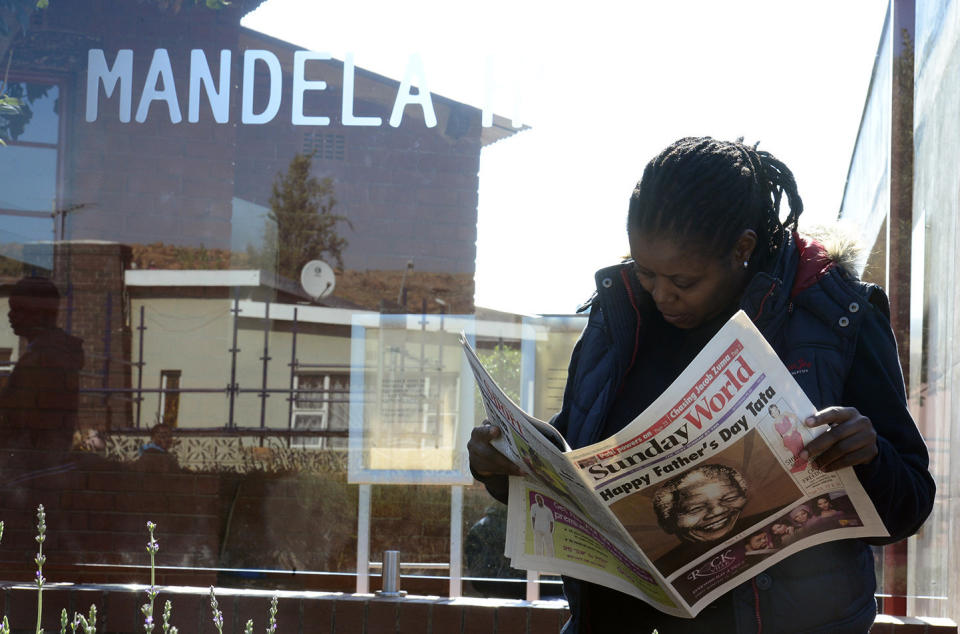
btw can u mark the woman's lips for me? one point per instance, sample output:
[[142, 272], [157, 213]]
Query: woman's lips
[[670, 318]]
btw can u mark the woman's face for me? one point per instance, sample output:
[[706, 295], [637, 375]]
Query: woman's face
[[707, 510], [780, 529], [800, 516], [688, 287], [823, 504], [774, 411]]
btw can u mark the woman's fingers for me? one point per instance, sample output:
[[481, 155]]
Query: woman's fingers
[[485, 460], [851, 439]]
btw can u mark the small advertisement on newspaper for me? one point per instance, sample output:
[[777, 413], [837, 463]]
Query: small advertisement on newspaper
[[703, 490]]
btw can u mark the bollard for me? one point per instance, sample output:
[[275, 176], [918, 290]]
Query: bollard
[[391, 575]]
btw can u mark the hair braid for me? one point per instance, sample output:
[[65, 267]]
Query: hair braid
[[709, 192]]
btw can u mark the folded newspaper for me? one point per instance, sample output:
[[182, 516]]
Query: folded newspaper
[[701, 492]]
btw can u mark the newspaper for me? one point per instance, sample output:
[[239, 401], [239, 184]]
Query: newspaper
[[701, 492]]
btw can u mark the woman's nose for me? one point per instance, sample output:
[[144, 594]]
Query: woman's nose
[[661, 294]]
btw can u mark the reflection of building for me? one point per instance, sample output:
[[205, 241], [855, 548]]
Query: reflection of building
[[903, 195], [103, 148], [155, 127], [137, 180]]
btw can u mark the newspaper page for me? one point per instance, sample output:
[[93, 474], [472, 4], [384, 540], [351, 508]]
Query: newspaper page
[[570, 530], [702, 491], [538, 449]]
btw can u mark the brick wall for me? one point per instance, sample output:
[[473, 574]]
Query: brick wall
[[96, 513]]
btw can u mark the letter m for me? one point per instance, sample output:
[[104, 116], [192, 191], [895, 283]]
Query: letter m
[[700, 411], [98, 73]]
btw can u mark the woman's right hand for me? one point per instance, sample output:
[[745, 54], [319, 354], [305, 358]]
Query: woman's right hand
[[485, 460]]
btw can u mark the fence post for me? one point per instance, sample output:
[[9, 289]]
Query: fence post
[[232, 386], [141, 328], [293, 373], [266, 359]]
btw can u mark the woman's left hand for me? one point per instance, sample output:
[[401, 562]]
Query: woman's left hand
[[851, 439]]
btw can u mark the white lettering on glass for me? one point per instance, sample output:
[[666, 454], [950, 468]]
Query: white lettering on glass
[[414, 76], [250, 59], [99, 73], [200, 75], [346, 111], [302, 85], [159, 70], [159, 85]]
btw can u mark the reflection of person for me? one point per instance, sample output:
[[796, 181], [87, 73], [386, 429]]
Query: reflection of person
[[38, 405], [88, 439], [706, 239], [483, 556], [541, 518], [161, 440], [786, 426], [701, 505]]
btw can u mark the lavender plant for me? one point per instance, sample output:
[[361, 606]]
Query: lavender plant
[[40, 559], [167, 628], [272, 628], [147, 608], [217, 614], [87, 624]]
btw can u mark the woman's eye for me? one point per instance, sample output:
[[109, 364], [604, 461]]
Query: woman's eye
[[683, 284]]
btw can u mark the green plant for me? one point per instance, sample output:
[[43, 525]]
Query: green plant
[[217, 614], [40, 559], [167, 628], [88, 623], [273, 615], [503, 363], [147, 608]]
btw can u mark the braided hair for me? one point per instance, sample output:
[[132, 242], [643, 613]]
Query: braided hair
[[709, 192]]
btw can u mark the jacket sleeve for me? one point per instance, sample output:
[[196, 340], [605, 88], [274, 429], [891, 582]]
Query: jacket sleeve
[[898, 479]]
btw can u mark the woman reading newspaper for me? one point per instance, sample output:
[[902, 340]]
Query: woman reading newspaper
[[706, 239]]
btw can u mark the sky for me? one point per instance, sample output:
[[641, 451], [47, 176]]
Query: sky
[[603, 88]]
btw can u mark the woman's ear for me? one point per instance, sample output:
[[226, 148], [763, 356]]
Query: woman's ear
[[744, 246]]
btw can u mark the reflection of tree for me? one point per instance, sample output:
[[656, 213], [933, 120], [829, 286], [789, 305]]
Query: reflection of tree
[[301, 225], [15, 111], [19, 97], [503, 364]]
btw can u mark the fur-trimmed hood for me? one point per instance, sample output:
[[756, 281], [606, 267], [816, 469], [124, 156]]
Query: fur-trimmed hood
[[821, 249]]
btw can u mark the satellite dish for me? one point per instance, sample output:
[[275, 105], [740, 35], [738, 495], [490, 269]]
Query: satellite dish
[[317, 279]]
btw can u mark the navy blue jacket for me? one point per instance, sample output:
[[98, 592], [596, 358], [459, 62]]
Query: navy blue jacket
[[833, 332]]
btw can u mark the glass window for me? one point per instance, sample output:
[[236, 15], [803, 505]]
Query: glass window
[[252, 234], [322, 403]]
